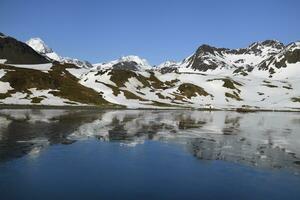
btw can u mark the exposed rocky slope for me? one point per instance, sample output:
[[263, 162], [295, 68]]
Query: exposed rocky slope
[[264, 75]]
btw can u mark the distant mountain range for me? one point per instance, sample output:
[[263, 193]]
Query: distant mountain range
[[39, 46], [264, 75]]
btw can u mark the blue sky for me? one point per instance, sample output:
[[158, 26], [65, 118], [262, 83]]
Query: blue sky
[[157, 30]]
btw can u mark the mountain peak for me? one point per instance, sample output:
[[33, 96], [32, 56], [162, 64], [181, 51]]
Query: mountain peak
[[168, 63], [39, 45], [130, 62], [267, 43], [206, 48], [134, 58], [141, 62], [270, 42]]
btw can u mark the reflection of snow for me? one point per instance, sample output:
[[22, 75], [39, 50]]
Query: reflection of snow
[[195, 124], [131, 143], [32, 115], [269, 139], [38, 145], [3, 125], [35, 152], [265, 139]]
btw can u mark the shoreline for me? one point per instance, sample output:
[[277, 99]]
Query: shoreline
[[89, 107]]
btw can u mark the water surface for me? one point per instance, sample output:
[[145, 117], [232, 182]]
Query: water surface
[[144, 154]]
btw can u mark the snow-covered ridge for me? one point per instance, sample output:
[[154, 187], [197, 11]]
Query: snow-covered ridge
[[138, 62], [39, 46], [207, 59], [137, 59], [212, 60], [168, 63]]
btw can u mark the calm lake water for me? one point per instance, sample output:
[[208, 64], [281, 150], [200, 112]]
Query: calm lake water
[[144, 154]]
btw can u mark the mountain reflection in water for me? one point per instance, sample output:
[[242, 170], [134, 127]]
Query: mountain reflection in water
[[262, 139]]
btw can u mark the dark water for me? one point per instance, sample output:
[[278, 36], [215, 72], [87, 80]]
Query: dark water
[[64, 154]]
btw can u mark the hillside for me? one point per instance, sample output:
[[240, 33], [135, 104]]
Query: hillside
[[264, 75]]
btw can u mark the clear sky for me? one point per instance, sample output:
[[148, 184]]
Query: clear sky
[[157, 30]]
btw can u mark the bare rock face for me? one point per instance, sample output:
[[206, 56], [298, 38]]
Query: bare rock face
[[127, 65]]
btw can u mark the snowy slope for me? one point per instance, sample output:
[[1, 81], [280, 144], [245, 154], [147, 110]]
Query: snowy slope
[[224, 92], [232, 78]]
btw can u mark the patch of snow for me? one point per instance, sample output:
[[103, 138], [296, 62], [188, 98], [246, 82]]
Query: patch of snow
[[78, 73], [50, 99], [17, 98], [42, 67], [5, 87], [2, 73], [20, 98], [54, 56]]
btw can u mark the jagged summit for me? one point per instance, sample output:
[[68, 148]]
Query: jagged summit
[[209, 59], [168, 63], [130, 62], [39, 45], [275, 43], [205, 48], [133, 58]]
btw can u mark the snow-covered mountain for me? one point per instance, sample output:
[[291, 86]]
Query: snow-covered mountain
[[168, 66], [264, 75], [130, 62], [213, 60], [39, 46]]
